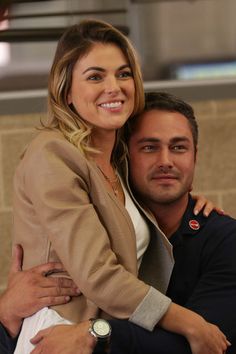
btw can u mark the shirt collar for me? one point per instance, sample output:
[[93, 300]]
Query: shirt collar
[[190, 225]]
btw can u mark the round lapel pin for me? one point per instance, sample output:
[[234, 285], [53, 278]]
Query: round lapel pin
[[194, 224]]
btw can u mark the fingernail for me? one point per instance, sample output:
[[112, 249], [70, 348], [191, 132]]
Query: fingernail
[[195, 212], [67, 298]]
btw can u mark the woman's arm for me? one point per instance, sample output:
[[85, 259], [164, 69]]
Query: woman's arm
[[57, 181], [128, 338]]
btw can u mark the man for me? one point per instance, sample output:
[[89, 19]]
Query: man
[[163, 146], [163, 149]]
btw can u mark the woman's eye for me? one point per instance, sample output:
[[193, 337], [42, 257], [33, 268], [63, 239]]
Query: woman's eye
[[125, 74], [94, 77]]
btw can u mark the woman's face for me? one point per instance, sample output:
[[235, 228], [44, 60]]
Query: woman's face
[[102, 89]]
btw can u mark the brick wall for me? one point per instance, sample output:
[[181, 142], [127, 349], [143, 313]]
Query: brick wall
[[215, 174], [15, 133]]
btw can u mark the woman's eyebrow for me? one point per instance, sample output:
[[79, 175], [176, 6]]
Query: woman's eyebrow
[[98, 68]]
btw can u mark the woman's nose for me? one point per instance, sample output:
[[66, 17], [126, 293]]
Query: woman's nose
[[112, 85]]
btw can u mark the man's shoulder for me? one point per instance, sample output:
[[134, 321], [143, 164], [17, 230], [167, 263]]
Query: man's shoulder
[[219, 229], [220, 226], [215, 220]]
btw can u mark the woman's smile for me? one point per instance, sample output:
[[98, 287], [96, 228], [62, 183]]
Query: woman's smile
[[102, 90]]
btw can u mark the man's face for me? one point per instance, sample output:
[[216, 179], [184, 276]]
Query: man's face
[[162, 157]]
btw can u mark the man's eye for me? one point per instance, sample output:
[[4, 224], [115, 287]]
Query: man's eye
[[148, 148], [179, 148]]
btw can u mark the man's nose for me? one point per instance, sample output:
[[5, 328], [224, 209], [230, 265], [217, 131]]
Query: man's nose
[[164, 159]]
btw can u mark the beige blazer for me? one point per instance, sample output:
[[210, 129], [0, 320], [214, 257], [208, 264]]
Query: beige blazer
[[63, 211]]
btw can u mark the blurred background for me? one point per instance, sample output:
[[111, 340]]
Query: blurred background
[[186, 47], [177, 40]]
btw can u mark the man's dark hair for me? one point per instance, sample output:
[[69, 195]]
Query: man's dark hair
[[167, 102]]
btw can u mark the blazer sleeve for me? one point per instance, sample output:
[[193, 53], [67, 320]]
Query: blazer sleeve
[[7, 343], [214, 298], [59, 193]]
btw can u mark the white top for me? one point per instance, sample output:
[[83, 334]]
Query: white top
[[140, 226]]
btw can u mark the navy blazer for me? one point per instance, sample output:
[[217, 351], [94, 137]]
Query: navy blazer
[[7, 344], [203, 280]]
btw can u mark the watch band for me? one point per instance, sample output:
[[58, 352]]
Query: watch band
[[101, 330], [101, 347]]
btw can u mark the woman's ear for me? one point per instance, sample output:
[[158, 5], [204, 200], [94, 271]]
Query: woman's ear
[[69, 98]]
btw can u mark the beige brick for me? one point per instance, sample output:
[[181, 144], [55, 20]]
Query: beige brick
[[1, 191], [20, 121], [216, 167], [204, 109], [226, 108], [229, 203], [13, 145], [5, 249], [213, 197]]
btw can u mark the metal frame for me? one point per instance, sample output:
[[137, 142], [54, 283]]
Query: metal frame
[[39, 34], [53, 33]]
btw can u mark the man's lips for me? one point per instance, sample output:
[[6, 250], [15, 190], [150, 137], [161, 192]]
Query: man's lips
[[164, 178]]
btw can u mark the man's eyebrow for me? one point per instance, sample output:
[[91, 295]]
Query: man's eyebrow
[[148, 140], [179, 139], [98, 68], [157, 140]]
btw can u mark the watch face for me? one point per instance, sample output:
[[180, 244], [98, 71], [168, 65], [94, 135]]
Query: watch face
[[101, 328]]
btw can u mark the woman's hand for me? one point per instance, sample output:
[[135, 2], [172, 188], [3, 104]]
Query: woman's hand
[[207, 338], [29, 291], [202, 203], [203, 337], [64, 339]]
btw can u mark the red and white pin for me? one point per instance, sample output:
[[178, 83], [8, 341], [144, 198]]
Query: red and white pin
[[194, 224]]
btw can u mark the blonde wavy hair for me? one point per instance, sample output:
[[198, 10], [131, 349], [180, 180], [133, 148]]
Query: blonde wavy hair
[[73, 45]]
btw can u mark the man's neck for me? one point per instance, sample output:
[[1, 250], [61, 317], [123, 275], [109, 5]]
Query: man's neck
[[169, 216]]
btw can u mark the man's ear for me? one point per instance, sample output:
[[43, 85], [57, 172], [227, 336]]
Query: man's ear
[[196, 154]]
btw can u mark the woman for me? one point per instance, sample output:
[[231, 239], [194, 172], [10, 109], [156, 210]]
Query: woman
[[70, 203]]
